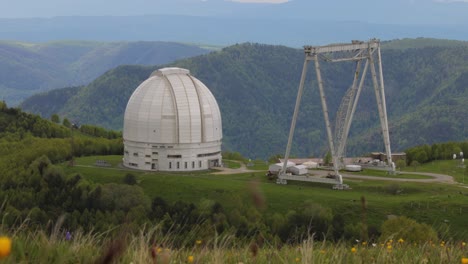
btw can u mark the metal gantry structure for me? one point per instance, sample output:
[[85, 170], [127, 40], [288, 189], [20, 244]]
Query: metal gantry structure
[[356, 51]]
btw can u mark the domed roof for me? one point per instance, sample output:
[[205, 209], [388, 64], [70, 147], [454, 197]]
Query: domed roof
[[172, 107]]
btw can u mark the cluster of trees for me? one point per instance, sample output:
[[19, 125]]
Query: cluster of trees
[[439, 151], [99, 132], [16, 125]]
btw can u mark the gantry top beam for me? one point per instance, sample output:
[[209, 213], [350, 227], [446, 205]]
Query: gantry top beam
[[354, 46]]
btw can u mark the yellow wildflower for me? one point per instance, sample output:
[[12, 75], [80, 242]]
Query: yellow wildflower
[[464, 260], [463, 244], [353, 250], [400, 240], [364, 243], [198, 242], [190, 259], [5, 246], [298, 259], [389, 247]]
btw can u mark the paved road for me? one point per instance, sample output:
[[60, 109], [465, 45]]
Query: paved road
[[441, 178], [436, 177]]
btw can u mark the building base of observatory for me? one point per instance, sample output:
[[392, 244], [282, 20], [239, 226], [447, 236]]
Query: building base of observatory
[[172, 157]]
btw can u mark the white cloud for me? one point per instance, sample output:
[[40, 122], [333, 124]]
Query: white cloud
[[261, 1]]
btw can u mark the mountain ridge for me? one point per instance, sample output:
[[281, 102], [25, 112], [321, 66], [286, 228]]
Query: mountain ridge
[[256, 87], [27, 68]]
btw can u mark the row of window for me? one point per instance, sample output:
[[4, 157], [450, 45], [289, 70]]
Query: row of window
[[163, 146], [209, 154], [178, 156], [170, 164], [185, 165]]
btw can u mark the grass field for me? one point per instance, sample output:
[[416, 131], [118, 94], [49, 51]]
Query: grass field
[[38, 247], [443, 206], [232, 164], [449, 167]]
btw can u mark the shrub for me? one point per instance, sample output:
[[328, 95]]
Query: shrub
[[408, 229], [130, 179]]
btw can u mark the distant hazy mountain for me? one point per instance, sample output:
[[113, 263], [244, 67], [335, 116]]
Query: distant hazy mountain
[[256, 86], [290, 30], [28, 68]]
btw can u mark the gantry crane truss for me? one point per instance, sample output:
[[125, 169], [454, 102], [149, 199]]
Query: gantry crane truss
[[357, 51]]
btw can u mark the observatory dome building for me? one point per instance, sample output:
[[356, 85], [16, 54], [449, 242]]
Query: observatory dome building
[[172, 123]]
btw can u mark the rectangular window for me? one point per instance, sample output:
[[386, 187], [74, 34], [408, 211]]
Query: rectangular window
[[209, 154], [185, 165], [199, 164], [147, 163], [155, 153], [178, 165], [148, 156], [170, 165], [174, 156], [193, 164], [135, 154]]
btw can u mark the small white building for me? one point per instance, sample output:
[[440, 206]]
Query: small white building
[[172, 123], [353, 167], [310, 164], [275, 168], [298, 170]]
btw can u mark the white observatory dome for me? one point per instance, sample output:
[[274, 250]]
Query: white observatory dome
[[172, 123]]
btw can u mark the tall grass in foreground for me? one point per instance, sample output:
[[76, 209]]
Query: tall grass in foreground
[[149, 246]]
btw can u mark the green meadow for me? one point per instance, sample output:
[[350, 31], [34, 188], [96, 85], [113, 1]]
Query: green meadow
[[443, 206]]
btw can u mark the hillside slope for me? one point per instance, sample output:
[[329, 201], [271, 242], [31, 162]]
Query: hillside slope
[[256, 87], [27, 68]]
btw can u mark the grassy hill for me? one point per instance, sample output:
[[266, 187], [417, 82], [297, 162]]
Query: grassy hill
[[28, 68], [256, 87]]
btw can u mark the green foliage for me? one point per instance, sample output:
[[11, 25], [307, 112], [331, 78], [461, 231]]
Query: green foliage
[[99, 132], [66, 122], [55, 118], [408, 229], [130, 179], [328, 158], [438, 151], [234, 156], [16, 125]]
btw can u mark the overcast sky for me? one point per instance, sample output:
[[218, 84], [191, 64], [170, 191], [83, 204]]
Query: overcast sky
[[373, 11]]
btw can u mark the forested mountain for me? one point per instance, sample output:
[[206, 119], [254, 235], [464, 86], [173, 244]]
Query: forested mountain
[[256, 87], [28, 68]]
